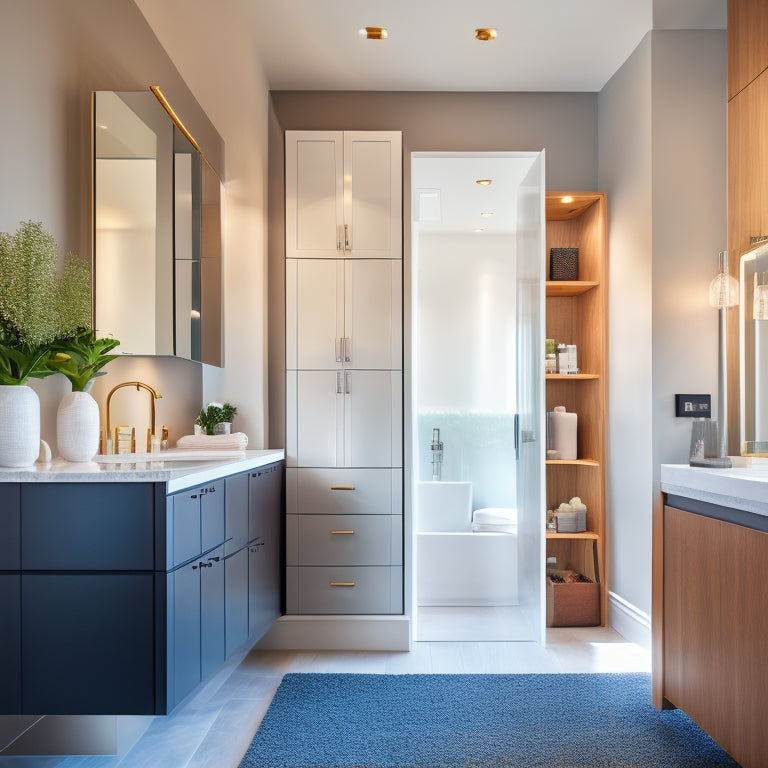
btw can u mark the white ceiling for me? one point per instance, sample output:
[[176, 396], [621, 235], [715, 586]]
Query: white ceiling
[[542, 45]]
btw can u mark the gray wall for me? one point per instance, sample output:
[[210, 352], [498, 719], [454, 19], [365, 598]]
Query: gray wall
[[662, 165], [52, 56]]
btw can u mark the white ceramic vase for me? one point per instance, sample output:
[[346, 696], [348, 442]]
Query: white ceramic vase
[[77, 427], [19, 426]]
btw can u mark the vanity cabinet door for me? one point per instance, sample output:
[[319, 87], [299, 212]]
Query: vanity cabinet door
[[88, 643], [212, 515], [236, 513], [212, 614], [236, 599], [183, 632], [10, 527], [186, 538], [10, 644]]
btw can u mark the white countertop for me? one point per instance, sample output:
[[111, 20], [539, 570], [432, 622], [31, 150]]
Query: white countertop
[[177, 475], [741, 487]]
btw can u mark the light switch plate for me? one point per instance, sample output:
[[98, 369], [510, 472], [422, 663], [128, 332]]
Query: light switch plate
[[693, 406]]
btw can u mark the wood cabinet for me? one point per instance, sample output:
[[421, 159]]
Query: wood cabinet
[[747, 169], [115, 597], [747, 43], [343, 194], [576, 313], [710, 625]]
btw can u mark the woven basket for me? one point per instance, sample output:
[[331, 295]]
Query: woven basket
[[563, 263]]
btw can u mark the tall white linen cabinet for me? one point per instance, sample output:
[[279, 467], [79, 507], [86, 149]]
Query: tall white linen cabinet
[[344, 372]]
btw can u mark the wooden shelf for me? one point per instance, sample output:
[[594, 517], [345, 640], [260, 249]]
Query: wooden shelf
[[582, 535], [576, 313], [569, 287]]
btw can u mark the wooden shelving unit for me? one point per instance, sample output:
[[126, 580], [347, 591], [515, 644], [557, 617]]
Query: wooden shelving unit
[[576, 313]]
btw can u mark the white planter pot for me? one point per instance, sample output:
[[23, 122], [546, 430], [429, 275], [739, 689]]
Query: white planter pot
[[77, 427], [19, 426]]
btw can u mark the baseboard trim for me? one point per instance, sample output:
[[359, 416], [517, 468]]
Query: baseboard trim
[[629, 621], [338, 633]]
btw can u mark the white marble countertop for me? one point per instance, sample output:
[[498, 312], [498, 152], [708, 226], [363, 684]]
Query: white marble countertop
[[741, 487], [155, 468]]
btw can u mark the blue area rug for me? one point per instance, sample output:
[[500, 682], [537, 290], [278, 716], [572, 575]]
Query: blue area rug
[[476, 721]]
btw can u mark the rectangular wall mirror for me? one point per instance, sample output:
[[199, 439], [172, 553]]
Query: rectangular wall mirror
[[157, 232]]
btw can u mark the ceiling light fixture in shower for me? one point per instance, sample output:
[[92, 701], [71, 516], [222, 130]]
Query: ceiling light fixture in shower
[[484, 182]]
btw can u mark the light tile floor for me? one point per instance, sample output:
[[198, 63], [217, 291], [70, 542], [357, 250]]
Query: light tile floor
[[215, 726]]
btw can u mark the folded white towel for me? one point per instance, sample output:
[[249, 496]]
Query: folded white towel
[[494, 528], [495, 516], [237, 441]]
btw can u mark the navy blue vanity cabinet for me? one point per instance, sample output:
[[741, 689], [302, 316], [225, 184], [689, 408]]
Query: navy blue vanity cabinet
[[87, 598], [236, 561], [10, 599], [264, 548]]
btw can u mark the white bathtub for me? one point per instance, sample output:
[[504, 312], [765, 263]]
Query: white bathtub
[[460, 567]]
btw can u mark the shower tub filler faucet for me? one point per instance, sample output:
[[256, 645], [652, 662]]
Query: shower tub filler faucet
[[437, 454]]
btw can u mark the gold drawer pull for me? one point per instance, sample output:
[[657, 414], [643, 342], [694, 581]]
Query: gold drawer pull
[[339, 533], [342, 487], [342, 583]]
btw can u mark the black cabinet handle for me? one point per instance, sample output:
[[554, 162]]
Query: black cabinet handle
[[212, 489], [206, 565], [193, 496], [215, 559]]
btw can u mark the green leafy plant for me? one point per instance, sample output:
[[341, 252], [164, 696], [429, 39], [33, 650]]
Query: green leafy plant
[[213, 414], [37, 308], [81, 357]]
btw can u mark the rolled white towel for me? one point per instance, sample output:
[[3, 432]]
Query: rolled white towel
[[237, 441]]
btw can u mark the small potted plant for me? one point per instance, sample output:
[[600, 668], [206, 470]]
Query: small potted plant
[[216, 418]]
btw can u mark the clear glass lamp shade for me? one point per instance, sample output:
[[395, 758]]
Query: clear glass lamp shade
[[760, 296], [723, 291]]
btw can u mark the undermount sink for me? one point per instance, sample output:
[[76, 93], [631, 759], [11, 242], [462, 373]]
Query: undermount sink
[[171, 454]]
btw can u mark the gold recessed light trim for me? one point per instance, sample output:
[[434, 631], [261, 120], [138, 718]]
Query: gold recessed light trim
[[484, 182], [485, 33], [486, 213], [374, 33], [567, 199]]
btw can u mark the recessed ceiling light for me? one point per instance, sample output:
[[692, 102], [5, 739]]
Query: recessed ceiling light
[[567, 199], [486, 213], [374, 33], [484, 182], [477, 229], [485, 33]]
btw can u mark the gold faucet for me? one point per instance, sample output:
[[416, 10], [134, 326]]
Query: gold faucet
[[154, 395]]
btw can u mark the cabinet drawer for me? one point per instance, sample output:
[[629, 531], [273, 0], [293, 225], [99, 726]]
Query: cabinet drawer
[[340, 590], [344, 540], [87, 526], [344, 491]]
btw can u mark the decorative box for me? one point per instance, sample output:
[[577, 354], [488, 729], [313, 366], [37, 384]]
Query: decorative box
[[573, 605], [563, 263]]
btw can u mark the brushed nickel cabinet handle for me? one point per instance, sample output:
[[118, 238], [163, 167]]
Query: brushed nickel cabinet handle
[[342, 533], [342, 487], [342, 583], [346, 238], [338, 349], [338, 237]]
